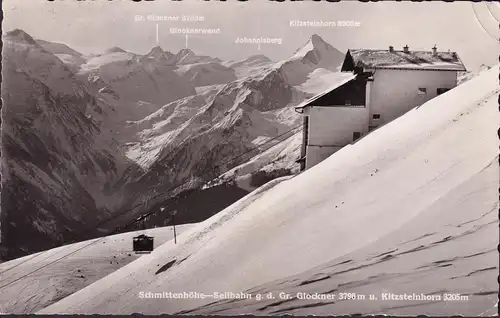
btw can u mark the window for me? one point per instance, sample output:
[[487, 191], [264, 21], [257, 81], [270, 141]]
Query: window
[[376, 116], [442, 90], [348, 102], [356, 135], [422, 91]]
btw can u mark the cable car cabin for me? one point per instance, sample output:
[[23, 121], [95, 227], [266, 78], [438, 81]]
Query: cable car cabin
[[143, 244]]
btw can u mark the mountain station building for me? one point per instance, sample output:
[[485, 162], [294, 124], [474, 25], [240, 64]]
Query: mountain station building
[[384, 84]]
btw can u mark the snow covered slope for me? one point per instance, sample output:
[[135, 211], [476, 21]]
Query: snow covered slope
[[410, 208], [249, 65], [208, 73], [59, 272], [59, 168], [276, 160], [158, 55], [465, 76]]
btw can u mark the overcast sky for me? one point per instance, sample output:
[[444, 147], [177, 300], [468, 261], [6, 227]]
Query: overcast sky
[[94, 26]]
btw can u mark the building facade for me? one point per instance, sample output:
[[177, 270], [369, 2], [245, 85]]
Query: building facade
[[384, 85]]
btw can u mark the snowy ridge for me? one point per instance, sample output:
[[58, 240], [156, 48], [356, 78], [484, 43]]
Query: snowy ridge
[[249, 66], [206, 73], [115, 49], [186, 56], [443, 213], [252, 61]]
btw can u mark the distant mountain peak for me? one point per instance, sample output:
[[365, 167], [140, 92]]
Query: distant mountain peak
[[158, 54], [258, 57], [115, 49], [186, 56], [315, 44], [185, 52], [251, 61], [317, 40], [20, 35], [157, 49], [315, 53]]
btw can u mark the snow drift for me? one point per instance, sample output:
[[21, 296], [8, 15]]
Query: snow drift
[[410, 208]]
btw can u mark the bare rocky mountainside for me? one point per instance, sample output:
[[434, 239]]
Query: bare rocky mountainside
[[90, 137]]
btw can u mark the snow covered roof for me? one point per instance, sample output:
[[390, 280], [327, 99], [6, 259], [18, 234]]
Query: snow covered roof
[[421, 60], [328, 90]]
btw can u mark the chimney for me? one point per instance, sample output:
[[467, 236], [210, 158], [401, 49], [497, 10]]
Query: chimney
[[434, 50], [406, 49], [391, 48]]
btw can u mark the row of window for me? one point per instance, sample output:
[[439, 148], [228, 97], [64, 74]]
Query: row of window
[[439, 91], [422, 90]]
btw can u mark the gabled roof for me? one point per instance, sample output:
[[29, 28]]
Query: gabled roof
[[330, 88], [418, 60]]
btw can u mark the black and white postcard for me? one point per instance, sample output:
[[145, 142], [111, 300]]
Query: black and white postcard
[[250, 157]]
